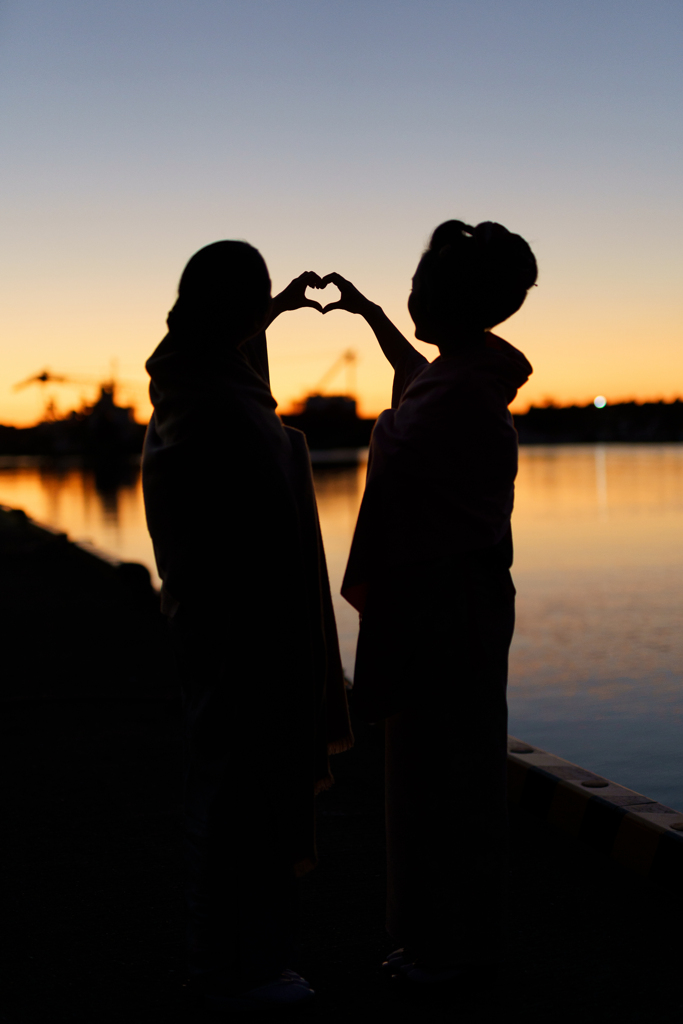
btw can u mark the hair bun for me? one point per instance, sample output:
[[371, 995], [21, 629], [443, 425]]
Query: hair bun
[[483, 272], [451, 233]]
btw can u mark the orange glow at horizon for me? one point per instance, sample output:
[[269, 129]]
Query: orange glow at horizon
[[137, 133], [612, 341], [303, 346]]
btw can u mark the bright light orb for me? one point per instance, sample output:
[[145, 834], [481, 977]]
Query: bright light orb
[[600, 402]]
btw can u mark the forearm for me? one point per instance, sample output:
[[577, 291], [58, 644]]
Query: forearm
[[277, 306], [401, 354], [395, 346]]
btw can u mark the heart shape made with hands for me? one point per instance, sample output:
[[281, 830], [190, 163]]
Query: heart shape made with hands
[[324, 295]]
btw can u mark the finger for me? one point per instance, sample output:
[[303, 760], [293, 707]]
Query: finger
[[332, 305], [314, 305], [334, 279], [310, 279]]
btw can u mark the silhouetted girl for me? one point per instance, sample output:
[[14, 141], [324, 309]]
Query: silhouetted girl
[[232, 514], [429, 570]]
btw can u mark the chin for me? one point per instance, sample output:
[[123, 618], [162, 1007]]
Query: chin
[[421, 336]]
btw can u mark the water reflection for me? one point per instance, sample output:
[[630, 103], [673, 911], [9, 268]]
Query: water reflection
[[596, 669], [339, 490], [102, 505], [601, 480]]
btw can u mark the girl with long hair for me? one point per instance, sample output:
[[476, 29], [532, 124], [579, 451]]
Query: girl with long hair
[[232, 514]]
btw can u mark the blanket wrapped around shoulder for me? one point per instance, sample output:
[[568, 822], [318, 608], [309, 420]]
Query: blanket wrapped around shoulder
[[231, 510], [429, 563], [442, 465]]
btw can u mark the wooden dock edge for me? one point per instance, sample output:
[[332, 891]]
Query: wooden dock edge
[[627, 827]]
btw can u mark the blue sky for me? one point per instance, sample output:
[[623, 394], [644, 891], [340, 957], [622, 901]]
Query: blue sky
[[335, 136]]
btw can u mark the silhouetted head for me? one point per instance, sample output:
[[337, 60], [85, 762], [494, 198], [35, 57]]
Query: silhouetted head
[[224, 293], [469, 280]]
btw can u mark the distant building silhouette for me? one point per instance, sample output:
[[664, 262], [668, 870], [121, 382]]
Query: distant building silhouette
[[102, 431]]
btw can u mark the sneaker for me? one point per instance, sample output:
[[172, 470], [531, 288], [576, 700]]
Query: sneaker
[[289, 990], [396, 960], [418, 975]]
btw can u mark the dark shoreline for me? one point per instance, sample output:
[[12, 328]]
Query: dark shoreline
[[626, 422], [93, 907], [91, 886]]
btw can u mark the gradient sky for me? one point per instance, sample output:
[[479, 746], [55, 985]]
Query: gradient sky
[[336, 135]]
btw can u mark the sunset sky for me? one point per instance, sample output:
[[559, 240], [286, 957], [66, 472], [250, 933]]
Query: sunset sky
[[336, 135]]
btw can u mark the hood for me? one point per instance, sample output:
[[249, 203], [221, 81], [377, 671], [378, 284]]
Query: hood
[[508, 364], [188, 381], [499, 358]]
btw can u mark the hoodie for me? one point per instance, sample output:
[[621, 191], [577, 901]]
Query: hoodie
[[442, 465]]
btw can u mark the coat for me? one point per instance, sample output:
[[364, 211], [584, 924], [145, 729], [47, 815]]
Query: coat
[[231, 511]]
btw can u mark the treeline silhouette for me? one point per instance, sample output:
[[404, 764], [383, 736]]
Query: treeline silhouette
[[623, 421], [335, 424]]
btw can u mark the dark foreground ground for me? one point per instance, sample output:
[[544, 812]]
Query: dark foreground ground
[[92, 909]]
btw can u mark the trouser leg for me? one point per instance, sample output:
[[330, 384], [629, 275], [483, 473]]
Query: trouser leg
[[446, 822], [239, 914], [240, 885], [446, 758]]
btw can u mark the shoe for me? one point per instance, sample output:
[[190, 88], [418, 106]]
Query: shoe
[[421, 976], [395, 961], [289, 990]]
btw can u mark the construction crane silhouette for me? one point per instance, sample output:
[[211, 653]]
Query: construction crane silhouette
[[48, 377], [347, 359], [109, 385]]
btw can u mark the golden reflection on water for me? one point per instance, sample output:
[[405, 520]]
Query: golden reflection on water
[[598, 565], [596, 666], [339, 491], [596, 669], [106, 511], [598, 549], [595, 505]]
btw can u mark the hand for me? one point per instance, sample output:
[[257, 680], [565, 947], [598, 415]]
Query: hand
[[294, 295], [351, 299]]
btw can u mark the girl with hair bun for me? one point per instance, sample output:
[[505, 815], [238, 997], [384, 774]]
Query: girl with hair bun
[[429, 573]]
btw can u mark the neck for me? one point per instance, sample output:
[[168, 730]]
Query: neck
[[457, 340]]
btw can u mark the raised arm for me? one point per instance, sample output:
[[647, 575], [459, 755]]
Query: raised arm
[[291, 297], [294, 295], [401, 354]]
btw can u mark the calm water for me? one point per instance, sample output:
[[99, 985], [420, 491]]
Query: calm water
[[597, 660]]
